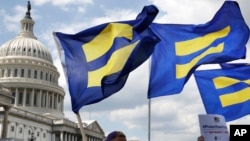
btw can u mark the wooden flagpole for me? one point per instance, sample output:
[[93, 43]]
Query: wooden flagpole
[[81, 127]]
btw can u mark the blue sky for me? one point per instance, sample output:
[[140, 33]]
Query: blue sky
[[173, 117]]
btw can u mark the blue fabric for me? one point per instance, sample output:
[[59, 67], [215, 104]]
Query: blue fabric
[[94, 73], [185, 47], [231, 82]]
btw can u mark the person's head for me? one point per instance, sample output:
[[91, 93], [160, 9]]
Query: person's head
[[116, 136]]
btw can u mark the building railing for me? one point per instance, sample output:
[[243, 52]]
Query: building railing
[[30, 115]]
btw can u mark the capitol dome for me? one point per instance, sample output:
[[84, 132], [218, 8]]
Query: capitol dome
[[27, 47], [27, 69], [25, 44]]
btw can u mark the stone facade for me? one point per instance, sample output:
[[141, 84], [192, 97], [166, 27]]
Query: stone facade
[[35, 101]]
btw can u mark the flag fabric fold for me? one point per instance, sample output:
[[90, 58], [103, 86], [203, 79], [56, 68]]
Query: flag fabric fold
[[225, 91], [98, 60], [185, 47]]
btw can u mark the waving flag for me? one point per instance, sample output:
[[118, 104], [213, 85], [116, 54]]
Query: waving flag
[[97, 61], [225, 91], [185, 47]]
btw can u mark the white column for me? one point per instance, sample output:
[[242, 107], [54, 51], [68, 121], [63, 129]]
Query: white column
[[61, 136], [32, 98], [24, 96], [19, 71], [53, 97], [66, 136], [39, 97], [16, 97], [57, 99], [47, 99], [53, 136], [75, 138], [42, 99], [38, 74], [69, 135], [12, 71], [5, 72], [62, 103]]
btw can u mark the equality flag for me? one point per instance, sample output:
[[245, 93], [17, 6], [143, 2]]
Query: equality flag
[[225, 91], [185, 47], [97, 61]]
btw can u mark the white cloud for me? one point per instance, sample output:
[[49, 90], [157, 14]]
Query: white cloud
[[12, 22], [81, 9], [132, 118], [186, 13], [115, 15], [63, 2]]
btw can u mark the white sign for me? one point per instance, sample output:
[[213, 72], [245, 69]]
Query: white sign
[[213, 128]]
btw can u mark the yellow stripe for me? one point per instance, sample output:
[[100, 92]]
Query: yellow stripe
[[103, 42], [235, 98], [194, 45], [115, 64], [223, 82], [183, 69]]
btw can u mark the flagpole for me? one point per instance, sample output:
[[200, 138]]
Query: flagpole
[[149, 105], [149, 119], [81, 126]]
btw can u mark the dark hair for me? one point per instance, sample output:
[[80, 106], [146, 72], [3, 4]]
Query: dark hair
[[115, 134]]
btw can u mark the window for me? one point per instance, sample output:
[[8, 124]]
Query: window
[[50, 101], [12, 128], [22, 72], [35, 99], [55, 102], [16, 71], [20, 98], [29, 73], [45, 97], [41, 75], [2, 72], [9, 72], [35, 74], [43, 100], [50, 77], [46, 77], [27, 102], [35, 102]]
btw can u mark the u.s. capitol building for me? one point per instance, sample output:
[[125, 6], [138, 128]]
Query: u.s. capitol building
[[31, 101]]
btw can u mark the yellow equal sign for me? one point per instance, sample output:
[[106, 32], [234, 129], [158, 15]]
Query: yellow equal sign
[[189, 47], [235, 97], [101, 44]]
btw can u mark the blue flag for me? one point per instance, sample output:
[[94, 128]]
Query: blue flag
[[225, 91], [97, 61], [185, 47]]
